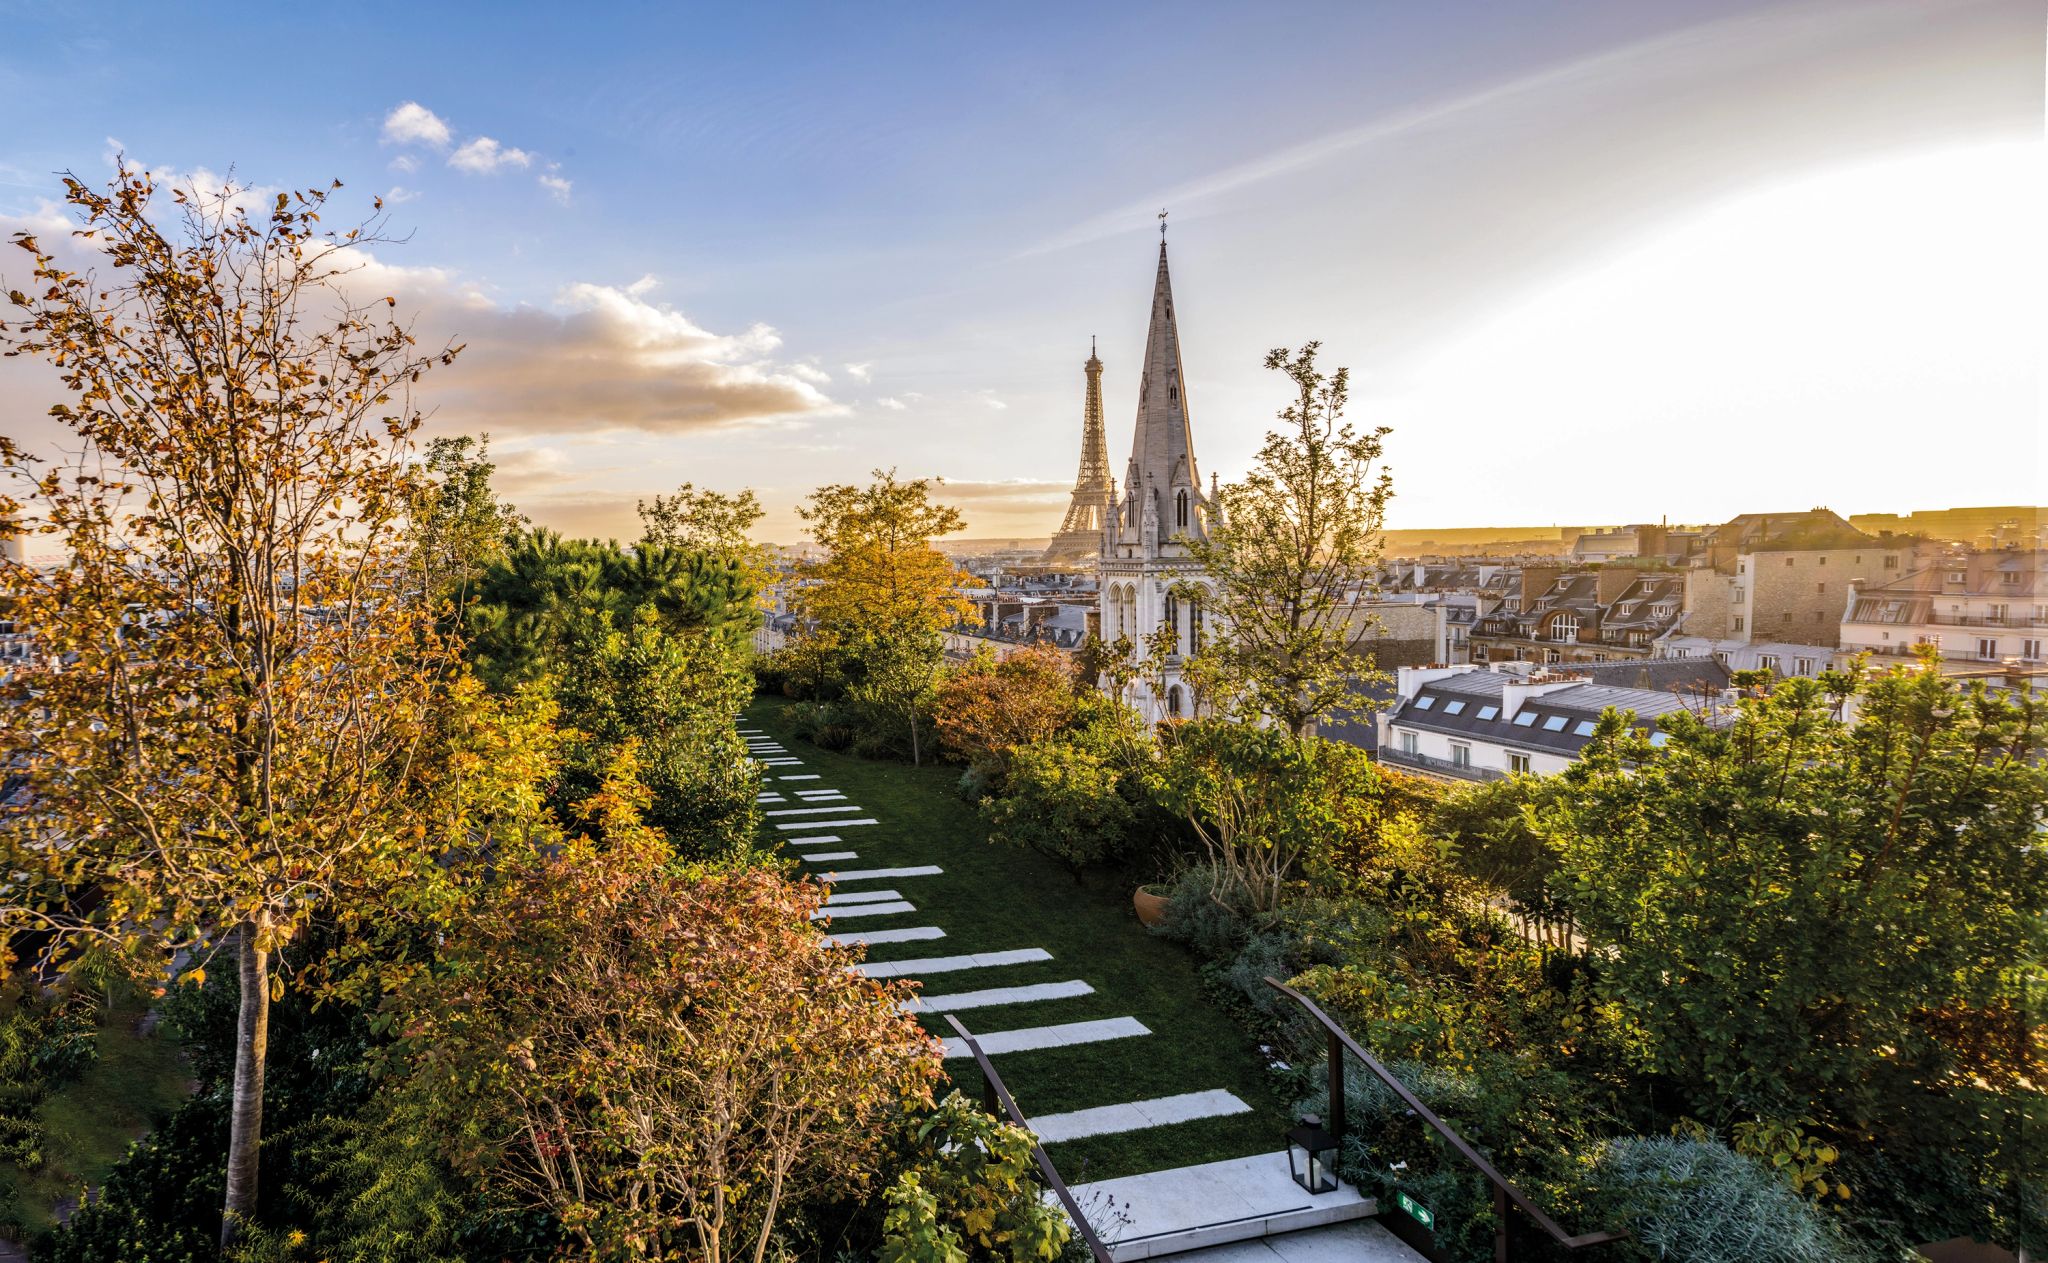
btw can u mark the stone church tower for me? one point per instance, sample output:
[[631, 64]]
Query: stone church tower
[[1163, 504]]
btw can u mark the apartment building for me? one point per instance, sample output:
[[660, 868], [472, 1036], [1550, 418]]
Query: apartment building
[[1971, 606], [1561, 616], [1474, 723]]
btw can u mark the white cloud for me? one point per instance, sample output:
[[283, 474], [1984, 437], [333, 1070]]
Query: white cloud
[[556, 185], [989, 397], [400, 195], [595, 359], [484, 155], [893, 405], [811, 373], [405, 164], [413, 123], [859, 372], [645, 284]]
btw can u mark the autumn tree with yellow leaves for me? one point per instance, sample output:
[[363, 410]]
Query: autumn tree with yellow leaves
[[236, 675]]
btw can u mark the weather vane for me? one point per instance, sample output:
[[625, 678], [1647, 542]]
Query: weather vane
[[1162, 225]]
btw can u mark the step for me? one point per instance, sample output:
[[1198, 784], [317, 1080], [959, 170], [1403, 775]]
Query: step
[[1214, 1204], [1355, 1241]]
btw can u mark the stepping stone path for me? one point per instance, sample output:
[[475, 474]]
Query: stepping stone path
[[811, 822]]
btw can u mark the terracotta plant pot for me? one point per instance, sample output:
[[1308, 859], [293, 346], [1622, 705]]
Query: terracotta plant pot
[[1151, 907]]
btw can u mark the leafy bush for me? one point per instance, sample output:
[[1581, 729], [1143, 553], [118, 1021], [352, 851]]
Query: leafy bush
[[1197, 916], [970, 1193], [1065, 801]]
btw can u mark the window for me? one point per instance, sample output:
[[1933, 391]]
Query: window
[[1524, 719], [1741, 594], [1742, 567], [1408, 743], [1584, 728], [1659, 738], [1518, 763], [1957, 576], [1454, 708], [1425, 702], [1173, 701], [1180, 509], [1891, 561], [1820, 588], [1995, 615], [1488, 712], [2010, 578], [1987, 647], [1738, 622], [1803, 666], [1768, 661], [2030, 649], [1565, 627], [1787, 618], [1823, 561], [1461, 754], [1552, 655], [1554, 723]]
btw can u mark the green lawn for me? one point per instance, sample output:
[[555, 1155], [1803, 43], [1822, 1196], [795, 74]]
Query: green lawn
[[136, 1081], [993, 898]]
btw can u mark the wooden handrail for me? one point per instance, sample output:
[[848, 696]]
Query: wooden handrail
[[1504, 1190], [993, 1093]]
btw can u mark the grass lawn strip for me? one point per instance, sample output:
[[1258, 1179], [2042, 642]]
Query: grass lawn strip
[[1017, 920]]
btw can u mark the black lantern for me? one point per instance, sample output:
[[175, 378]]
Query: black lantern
[[1312, 1155]]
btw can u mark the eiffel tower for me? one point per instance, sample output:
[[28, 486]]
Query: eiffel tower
[[1080, 535]]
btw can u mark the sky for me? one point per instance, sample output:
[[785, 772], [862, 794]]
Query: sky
[[1598, 261]]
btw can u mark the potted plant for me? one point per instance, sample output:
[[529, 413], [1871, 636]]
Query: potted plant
[[1150, 901]]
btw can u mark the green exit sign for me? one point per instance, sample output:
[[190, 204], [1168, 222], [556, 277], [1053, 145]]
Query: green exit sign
[[1416, 1210]]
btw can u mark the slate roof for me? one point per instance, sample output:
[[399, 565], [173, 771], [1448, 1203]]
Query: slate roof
[[1557, 722]]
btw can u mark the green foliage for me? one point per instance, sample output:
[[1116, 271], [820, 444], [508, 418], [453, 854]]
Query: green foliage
[[458, 525], [1701, 1201], [1065, 800], [970, 1193], [1288, 556], [1784, 1146], [44, 1042], [1799, 916]]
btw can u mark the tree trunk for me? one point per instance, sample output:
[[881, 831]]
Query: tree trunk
[[252, 1044]]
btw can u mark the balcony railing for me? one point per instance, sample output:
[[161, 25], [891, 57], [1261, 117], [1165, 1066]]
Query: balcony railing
[[1443, 767]]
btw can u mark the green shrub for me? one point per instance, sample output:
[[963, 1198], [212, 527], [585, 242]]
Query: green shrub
[[1195, 916], [1065, 802], [1701, 1201]]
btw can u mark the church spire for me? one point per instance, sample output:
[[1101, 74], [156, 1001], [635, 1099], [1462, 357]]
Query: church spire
[[1162, 466]]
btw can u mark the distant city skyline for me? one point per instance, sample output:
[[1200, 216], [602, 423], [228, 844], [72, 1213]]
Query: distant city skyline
[[1592, 262]]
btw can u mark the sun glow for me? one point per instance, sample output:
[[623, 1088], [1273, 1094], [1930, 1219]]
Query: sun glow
[[1815, 336]]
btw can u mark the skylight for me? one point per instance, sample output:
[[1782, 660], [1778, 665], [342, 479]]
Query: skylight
[[1424, 702], [1554, 724], [1489, 712], [1585, 728], [1524, 719], [1454, 708]]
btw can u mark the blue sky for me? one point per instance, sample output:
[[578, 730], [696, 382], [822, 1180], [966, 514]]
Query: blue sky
[[1593, 261]]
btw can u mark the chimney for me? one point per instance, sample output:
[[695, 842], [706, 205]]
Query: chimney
[[1610, 582]]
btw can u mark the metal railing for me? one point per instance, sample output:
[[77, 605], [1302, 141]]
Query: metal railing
[[996, 1099], [1505, 1194]]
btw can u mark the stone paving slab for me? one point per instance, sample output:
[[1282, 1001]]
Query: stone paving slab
[[810, 811], [911, 935], [807, 776], [861, 910], [1065, 1034], [823, 837], [868, 874], [948, 964], [819, 857], [825, 824], [1216, 1203], [996, 995], [1159, 1112], [862, 896]]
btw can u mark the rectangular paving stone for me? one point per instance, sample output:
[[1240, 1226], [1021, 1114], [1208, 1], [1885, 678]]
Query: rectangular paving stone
[[819, 857], [948, 964], [862, 910], [823, 837], [1158, 1112], [1032, 1038], [911, 935], [807, 776], [810, 811], [866, 874], [963, 1000], [862, 896], [825, 824]]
